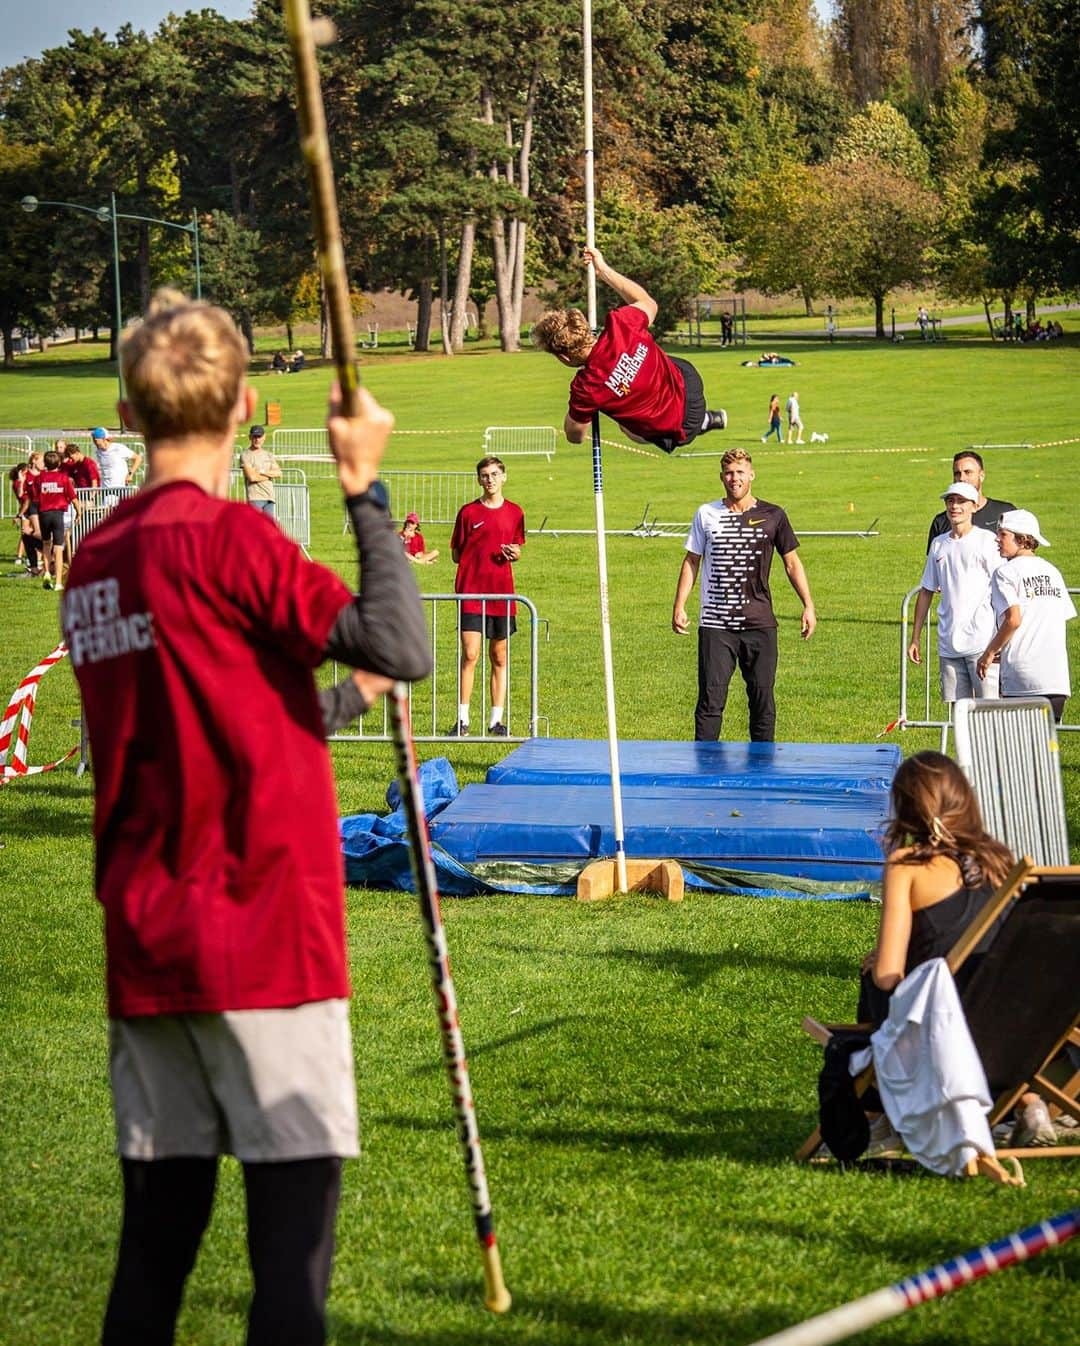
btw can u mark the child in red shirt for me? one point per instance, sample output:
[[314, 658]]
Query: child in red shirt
[[653, 398], [52, 492], [413, 541]]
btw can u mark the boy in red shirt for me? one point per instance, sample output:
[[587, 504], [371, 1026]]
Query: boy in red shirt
[[489, 534], [83, 471], [652, 397], [53, 493], [219, 865]]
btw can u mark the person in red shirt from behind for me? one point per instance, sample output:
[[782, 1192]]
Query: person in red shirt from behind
[[219, 865], [53, 494], [489, 534], [652, 397]]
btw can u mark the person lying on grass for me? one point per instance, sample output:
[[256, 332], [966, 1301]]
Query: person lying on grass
[[652, 397]]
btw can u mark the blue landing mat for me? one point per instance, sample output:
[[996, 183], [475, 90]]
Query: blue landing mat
[[759, 831], [794, 768]]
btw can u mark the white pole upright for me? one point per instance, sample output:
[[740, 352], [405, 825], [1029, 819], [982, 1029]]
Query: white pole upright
[[598, 471]]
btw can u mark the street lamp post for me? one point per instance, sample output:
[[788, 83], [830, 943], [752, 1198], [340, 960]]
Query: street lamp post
[[109, 212]]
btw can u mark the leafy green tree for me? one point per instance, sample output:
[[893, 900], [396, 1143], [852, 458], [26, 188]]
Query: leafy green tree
[[882, 133], [230, 268], [25, 244], [879, 227], [778, 223]]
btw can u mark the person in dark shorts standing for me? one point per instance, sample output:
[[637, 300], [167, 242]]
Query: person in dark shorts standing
[[488, 536], [731, 542], [652, 397], [53, 492], [219, 864]]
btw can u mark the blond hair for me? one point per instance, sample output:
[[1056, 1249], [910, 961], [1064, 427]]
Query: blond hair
[[564, 332], [735, 456], [183, 368]]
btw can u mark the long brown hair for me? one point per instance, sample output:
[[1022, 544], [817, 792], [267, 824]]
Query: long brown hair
[[934, 810]]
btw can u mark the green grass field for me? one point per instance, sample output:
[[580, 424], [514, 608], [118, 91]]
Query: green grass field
[[641, 1080]]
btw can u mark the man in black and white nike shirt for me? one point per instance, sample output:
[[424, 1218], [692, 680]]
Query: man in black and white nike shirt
[[731, 543]]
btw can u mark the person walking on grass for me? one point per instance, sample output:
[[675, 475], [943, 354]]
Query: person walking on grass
[[959, 567], [794, 420], [488, 536], [654, 398], [218, 858], [1032, 606], [774, 420], [731, 543], [52, 493]]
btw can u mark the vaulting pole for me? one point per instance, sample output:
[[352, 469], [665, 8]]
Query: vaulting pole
[[598, 469], [315, 145]]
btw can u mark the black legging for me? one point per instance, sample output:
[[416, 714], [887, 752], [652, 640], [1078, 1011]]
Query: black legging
[[291, 1209]]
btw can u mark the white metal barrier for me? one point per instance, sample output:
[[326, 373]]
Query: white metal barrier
[[308, 450], [435, 496], [1009, 751], [917, 694], [433, 704], [96, 503], [519, 441]]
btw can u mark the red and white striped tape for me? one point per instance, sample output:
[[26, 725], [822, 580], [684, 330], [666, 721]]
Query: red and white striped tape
[[18, 718]]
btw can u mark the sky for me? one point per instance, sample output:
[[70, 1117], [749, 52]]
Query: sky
[[28, 29]]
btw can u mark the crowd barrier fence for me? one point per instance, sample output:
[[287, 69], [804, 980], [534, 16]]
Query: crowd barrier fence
[[433, 704]]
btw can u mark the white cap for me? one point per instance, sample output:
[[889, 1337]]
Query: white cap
[[964, 489], [1022, 521]]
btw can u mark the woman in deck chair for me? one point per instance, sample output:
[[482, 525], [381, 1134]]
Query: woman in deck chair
[[941, 867]]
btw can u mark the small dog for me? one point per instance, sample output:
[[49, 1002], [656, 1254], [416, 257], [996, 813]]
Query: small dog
[[816, 438]]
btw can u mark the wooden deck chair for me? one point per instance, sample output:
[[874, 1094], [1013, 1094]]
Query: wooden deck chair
[[1021, 998]]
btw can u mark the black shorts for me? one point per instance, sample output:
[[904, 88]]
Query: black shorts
[[693, 409], [52, 526], [494, 628]]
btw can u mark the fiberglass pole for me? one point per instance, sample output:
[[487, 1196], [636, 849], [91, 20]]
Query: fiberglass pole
[[598, 470]]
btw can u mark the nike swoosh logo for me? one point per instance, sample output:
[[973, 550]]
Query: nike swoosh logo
[[478, 525], [754, 522]]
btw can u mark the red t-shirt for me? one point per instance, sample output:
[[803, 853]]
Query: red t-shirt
[[479, 533], [51, 490], [84, 473], [413, 545], [629, 378], [193, 625]]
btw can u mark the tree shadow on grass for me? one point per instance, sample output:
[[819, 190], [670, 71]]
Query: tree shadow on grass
[[760, 1135], [570, 1318], [31, 822], [696, 968]]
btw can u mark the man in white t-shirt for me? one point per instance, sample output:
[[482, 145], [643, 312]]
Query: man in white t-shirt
[[958, 566], [1031, 605], [117, 462]]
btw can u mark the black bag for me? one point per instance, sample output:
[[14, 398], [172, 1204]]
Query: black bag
[[842, 1118]]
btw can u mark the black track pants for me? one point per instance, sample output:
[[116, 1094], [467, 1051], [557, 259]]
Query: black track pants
[[719, 652]]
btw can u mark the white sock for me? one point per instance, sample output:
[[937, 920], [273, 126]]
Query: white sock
[[463, 712], [496, 716]]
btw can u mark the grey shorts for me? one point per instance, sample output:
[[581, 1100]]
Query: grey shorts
[[960, 681], [264, 1085]]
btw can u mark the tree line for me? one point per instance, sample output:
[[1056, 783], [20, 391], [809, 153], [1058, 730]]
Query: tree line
[[744, 143]]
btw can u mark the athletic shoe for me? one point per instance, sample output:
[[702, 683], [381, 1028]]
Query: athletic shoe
[[717, 419], [58, 588], [498, 730], [1034, 1127], [460, 730], [47, 583]]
